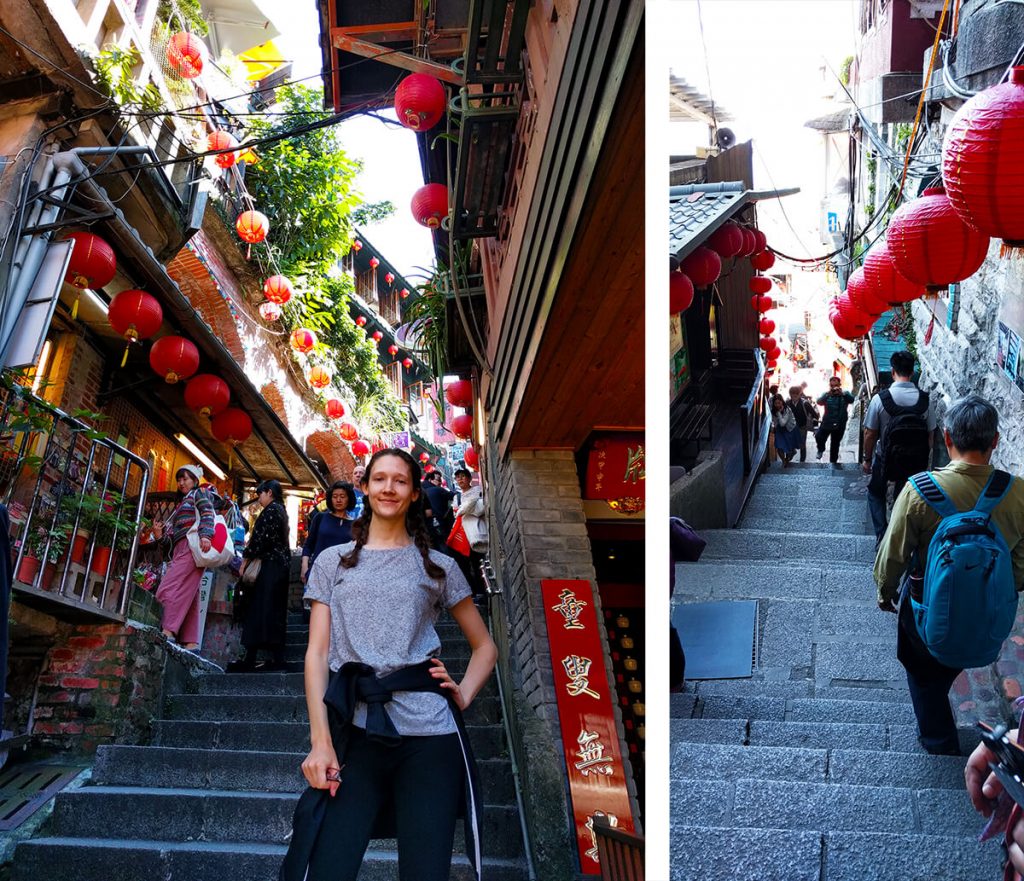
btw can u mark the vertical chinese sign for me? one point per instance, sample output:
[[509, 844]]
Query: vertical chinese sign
[[597, 777]]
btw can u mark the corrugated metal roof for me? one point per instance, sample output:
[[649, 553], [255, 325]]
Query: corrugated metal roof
[[686, 103]]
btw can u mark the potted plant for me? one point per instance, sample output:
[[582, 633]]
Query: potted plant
[[58, 537], [109, 528], [30, 562], [86, 508]]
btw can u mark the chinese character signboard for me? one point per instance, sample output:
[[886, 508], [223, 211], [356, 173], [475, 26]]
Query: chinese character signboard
[[616, 471], [400, 440], [597, 778]]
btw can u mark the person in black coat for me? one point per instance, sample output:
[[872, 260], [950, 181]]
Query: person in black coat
[[439, 515]]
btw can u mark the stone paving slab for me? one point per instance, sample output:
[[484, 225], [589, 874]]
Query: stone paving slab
[[720, 579], [732, 731], [722, 762], [754, 687], [818, 735], [846, 622], [946, 812], [787, 635], [857, 856], [836, 663], [681, 706], [851, 584], [702, 803], [720, 706], [716, 854], [893, 692], [913, 770], [786, 525], [818, 710], [766, 545]]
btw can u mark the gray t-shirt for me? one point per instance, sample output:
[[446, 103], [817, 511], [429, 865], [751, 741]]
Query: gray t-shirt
[[904, 394], [382, 614]]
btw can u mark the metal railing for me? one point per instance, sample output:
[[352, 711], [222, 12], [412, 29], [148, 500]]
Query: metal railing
[[621, 853], [80, 515], [753, 416]]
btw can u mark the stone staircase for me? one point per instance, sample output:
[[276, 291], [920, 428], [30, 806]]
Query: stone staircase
[[213, 797], [810, 770]]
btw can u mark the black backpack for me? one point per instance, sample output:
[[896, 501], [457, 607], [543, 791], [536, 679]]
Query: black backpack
[[904, 447]]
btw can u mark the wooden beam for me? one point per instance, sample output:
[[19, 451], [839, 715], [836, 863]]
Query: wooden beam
[[341, 39], [389, 32]]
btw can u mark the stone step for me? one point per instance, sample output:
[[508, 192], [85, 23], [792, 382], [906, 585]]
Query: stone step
[[244, 770], [808, 521], [764, 545], [183, 814], [791, 689], [846, 766], [779, 855], [103, 859], [723, 706], [283, 708], [714, 579]]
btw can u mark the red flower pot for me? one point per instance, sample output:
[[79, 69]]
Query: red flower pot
[[28, 570], [100, 558], [78, 546]]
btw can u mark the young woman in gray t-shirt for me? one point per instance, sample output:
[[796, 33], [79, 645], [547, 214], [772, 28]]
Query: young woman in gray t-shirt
[[374, 601]]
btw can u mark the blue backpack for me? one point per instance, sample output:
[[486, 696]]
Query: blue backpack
[[969, 599]]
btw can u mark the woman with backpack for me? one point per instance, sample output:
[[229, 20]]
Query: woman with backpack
[[787, 435]]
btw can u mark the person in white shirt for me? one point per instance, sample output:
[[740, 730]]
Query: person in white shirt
[[473, 511]]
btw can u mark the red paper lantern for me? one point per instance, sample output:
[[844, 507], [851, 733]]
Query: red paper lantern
[[403, 293], [361, 320], [931, 245], [767, 326], [407, 363], [429, 469], [377, 336], [703, 267], [864, 297], [233, 426], [334, 408], [420, 101], [772, 364], [775, 354], [174, 358], [760, 241], [983, 161], [883, 282], [848, 322], [303, 340], [252, 227], [462, 426], [360, 448], [207, 394], [424, 458], [270, 311], [186, 54], [768, 343], [430, 205], [348, 432], [222, 140], [92, 263], [357, 245], [278, 289], [749, 242], [389, 277], [762, 261], [727, 240], [135, 315], [319, 377], [374, 263], [680, 292], [760, 284], [459, 393], [392, 349], [761, 304], [471, 458]]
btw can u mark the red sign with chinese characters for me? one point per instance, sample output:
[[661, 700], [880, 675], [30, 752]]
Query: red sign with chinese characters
[[597, 777], [616, 469]]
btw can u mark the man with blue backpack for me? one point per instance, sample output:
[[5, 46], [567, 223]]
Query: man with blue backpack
[[951, 564]]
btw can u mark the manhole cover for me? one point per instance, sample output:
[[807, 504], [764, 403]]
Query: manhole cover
[[26, 788]]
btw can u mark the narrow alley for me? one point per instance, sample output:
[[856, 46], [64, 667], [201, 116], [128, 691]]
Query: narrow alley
[[810, 770]]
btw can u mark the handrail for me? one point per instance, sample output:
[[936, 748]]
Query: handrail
[[621, 853], [750, 411]]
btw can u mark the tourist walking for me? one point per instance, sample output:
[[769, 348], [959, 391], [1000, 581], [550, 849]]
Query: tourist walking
[[330, 527], [266, 610], [836, 406], [389, 756], [438, 511], [473, 510], [787, 435], [804, 413], [959, 622], [178, 591], [902, 419]]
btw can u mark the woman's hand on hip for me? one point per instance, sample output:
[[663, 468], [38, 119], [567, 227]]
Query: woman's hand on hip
[[321, 768], [440, 672], [205, 544]]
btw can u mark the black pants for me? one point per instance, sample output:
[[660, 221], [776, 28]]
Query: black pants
[[929, 683], [470, 567], [423, 778], [834, 436]]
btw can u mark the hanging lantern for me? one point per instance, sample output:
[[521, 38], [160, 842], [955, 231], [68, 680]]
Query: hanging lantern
[[222, 140], [348, 432], [361, 320], [134, 315], [703, 267], [430, 205], [357, 245], [303, 340], [374, 263], [424, 458], [462, 426], [420, 100], [186, 54], [762, 261], [849, 324], [360, 448], [207, 394], [761, 304], [982, 158], [392, 350], [749, 242], [389, 277], [760, 284], [772, 364], [768, 343], [883, 282], [471, 459], [174, 358], [767, 326], [403, 293], [407, 363], [233, 426], [92, 263], [864, 297], [334, 409], [727, 240], [429, 469], [252, 227], [278, 289], [680, 292], [775, 354], [459, 393], [931, 245], [319, 377], [270, 311], [377, 336]]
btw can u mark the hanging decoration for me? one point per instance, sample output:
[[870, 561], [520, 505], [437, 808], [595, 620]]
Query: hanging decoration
[[403, 293], [680, 292], [392, 350], [762, 261], [357, 245], [883, 281], [134, 315], [319, 376], [462, 426], [761, 304], [92, 264], [278, 289], [430, 205], [186, 55], [420, 101], [174, 358], [348, 431], [864, 297], [749, 242], [222, 140], [389, 277], [334, 408], [767, 326], [361, 320], [768, 343], [727, 240], [424, 458], [931, 245], [374, 263], [232, 426], [429, 469], [983, 161], [459, 393], [360, 448], [303, 340], [407, 363], [270, 311], [377, 336], [760, 240], [471, 458], [207, 394], [252, 228], [775, 354], [760, 284], [849, 324], [703, 267]]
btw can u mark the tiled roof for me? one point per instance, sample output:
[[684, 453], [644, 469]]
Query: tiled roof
[[697, 210]]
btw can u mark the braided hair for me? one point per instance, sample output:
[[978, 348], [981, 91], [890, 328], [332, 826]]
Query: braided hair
[[415, 525]]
